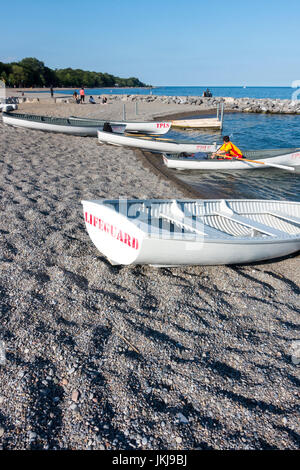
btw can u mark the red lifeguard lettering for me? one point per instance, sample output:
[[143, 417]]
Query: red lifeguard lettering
[[135, 243], [127, 239], [91, 218], [111, 230], [120, 236]]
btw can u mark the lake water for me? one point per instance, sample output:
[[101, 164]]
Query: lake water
[[247, 131], [235, 92]]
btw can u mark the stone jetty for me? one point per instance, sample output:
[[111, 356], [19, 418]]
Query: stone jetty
[[245, 105]]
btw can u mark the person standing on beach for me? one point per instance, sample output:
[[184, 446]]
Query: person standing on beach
[[51, 91], [228, 150], [82, 95]]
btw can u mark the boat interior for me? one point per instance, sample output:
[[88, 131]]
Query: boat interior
[[212, 219], [251, 154]]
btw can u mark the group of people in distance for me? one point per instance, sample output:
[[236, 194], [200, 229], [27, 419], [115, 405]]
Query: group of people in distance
[[81, 97], [207, 93]]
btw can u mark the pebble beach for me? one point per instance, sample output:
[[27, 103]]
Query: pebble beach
[[100, 357]]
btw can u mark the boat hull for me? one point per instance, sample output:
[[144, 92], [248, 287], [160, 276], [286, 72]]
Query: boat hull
[[291, 159], [125, 243], [154, 145], [160, 253], [147, 127], [75, 129]]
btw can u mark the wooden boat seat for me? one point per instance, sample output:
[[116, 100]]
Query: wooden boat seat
[[273, 232]]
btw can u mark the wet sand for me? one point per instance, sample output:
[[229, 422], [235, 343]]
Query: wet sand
[[103, 357]]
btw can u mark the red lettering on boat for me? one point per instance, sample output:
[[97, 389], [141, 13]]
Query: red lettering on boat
[[120, 236], [296, 155], [159, 125], [111, 230], [127, 239]]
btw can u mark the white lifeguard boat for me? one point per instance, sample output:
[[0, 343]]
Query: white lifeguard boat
[[192, 232]]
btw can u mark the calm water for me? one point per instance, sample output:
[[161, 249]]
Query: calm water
[[247, 131], [235, 92]]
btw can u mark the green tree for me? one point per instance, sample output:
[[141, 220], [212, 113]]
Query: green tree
[[18, 76]]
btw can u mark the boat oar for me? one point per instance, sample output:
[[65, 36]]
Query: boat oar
[[142, 136], [275, 165]]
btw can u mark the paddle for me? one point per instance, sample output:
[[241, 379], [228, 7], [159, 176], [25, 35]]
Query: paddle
[[275, 165], [142, 136]]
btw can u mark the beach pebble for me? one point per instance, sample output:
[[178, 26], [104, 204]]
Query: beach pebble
[[75, 395], [2, 353], [182, 418]]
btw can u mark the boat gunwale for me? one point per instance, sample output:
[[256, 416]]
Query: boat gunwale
[[155, 139], [53, 120], [119, 122], [193, 236], [193, 159]]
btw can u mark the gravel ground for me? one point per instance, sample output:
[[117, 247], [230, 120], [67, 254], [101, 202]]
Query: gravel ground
[[94, 356]]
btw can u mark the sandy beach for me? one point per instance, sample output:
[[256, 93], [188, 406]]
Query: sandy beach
[[102, 357]]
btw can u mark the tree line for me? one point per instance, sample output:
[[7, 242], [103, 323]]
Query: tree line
[[31, 72]]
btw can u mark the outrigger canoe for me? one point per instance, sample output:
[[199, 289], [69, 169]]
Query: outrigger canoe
[[154, 144], [192, 232], [259, 159], [146, 127], [55, 124]]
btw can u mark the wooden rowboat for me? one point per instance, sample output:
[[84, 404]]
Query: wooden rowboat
[[192, 232], [259, 159], [154, 144], [55, 124], [203, 123], [146, 127]]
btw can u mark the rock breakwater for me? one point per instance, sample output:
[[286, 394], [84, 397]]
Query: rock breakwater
[[247, 105]]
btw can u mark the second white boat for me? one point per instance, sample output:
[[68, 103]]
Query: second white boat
[[154, 144]]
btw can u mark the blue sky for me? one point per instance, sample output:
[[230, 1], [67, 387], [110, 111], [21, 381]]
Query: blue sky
[[162, 42]]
